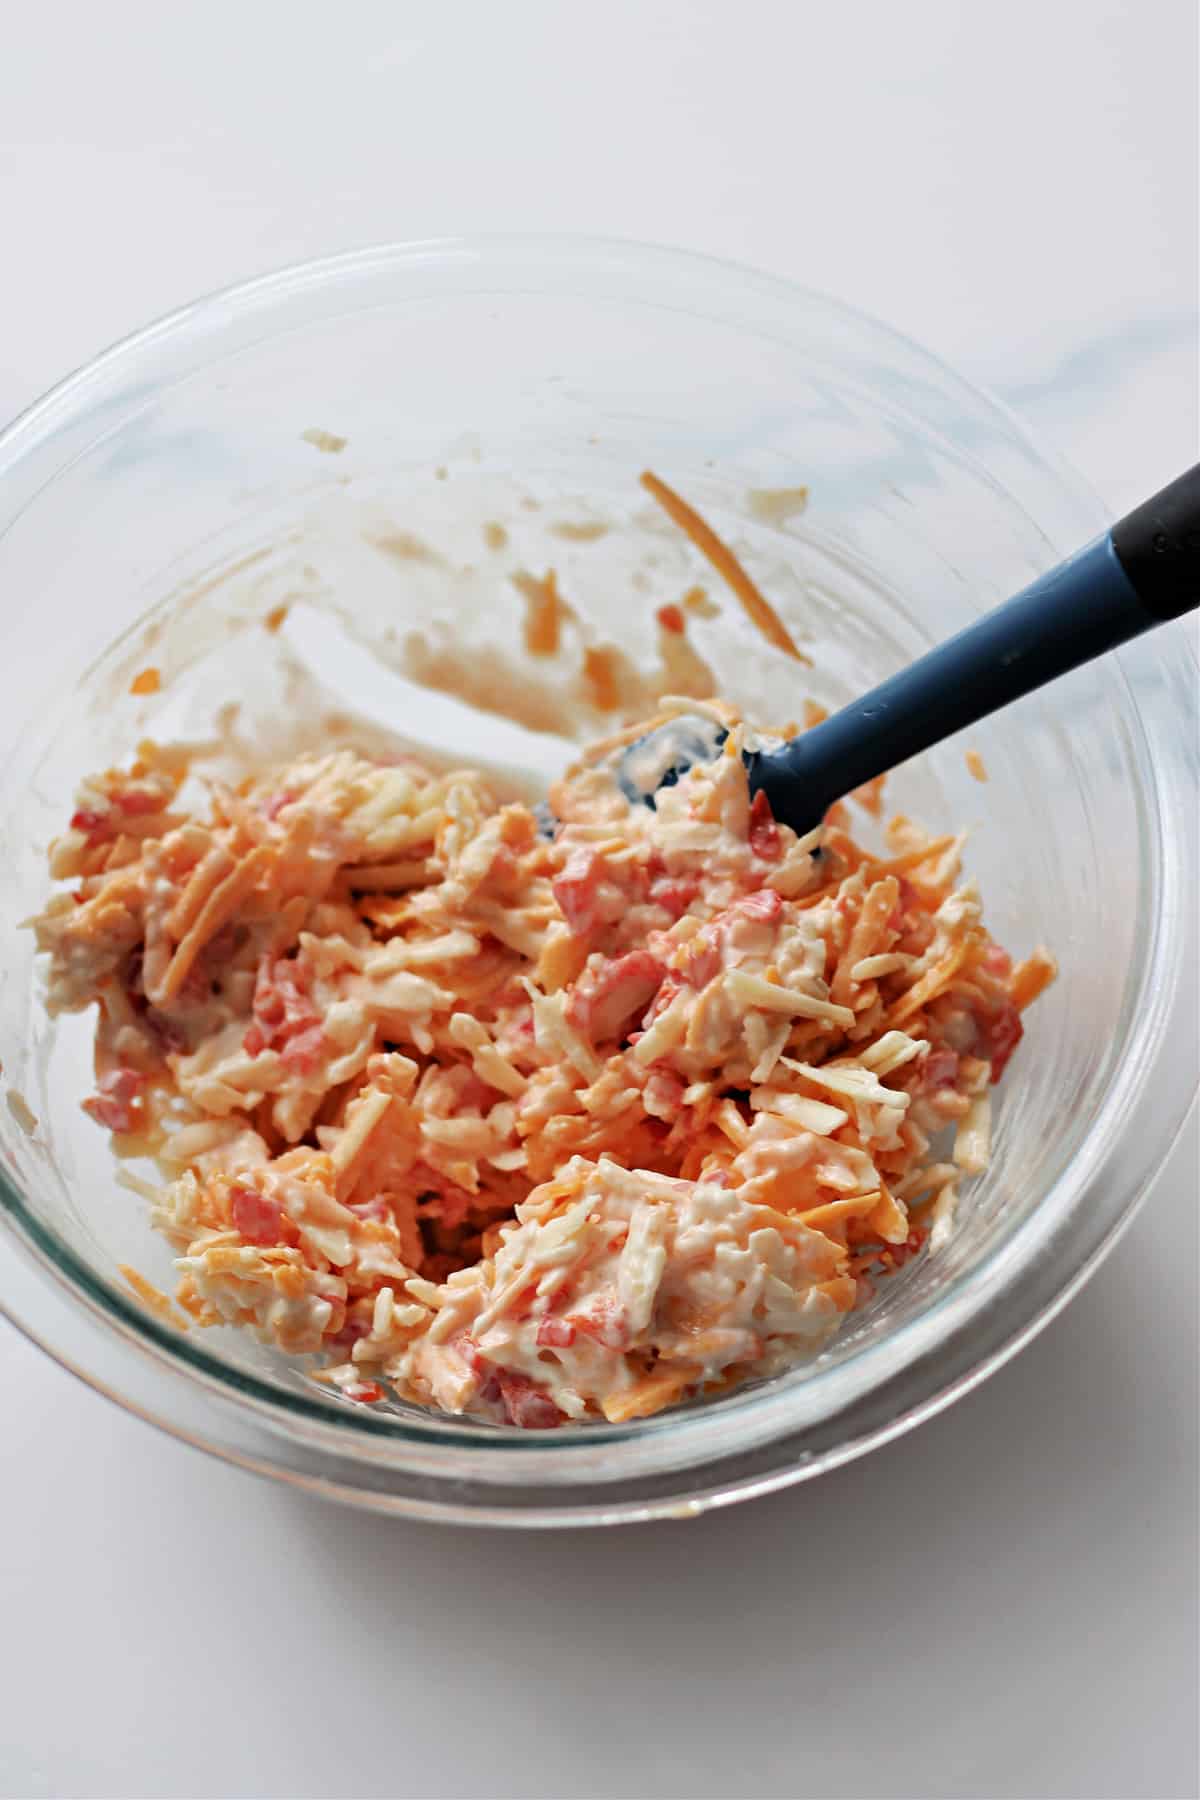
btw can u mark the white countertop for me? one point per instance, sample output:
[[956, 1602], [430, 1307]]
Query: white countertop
[[1002, 1604]]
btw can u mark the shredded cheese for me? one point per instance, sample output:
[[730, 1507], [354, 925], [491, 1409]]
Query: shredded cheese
[[544, 1123]]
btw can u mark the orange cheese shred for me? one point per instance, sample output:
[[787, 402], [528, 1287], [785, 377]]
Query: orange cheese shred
[[758, 609]]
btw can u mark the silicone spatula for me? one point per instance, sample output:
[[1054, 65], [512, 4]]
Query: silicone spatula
[[1141, 573]]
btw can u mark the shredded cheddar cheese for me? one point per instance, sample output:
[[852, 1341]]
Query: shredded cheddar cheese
[[758, 609], [543, 1124]]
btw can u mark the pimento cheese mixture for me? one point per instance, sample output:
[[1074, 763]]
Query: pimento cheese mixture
[[538, 1125]]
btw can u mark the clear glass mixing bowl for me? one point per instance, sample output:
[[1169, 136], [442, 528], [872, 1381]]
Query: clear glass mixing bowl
[[157, 505]]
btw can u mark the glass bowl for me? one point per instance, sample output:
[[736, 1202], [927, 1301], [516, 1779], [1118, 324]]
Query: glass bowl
[[377, 442]]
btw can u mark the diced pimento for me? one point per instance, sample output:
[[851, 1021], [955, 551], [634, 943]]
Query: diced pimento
[[302, 1053], [907, 907], [284, 1017], [674, 893], [466, 1347], [605, 999], [999, 1034], [997, 962], [258, 1218], [610, 998], [524, 1404], [764, 906], [603, 1318], [349, 1335], [137, 802], [126, 803], [940, 1069], [899, 1254], [280, 992], [663, 1094], [366, 1391], [555, 1334], [575, 890], [671, 619], [474, 1095], [764, 832], [94, 825], [115, 1104], [701, 961]]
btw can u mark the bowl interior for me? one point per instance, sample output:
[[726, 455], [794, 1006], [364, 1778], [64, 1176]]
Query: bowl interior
[[496, 410]]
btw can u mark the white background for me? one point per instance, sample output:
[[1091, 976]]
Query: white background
[[1005, 1602]]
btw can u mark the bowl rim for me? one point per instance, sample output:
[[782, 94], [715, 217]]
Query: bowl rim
[[329, 1427]]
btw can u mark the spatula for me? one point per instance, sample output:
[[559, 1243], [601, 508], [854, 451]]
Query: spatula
[[1141, 573]]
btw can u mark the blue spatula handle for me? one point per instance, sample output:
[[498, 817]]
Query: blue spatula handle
[[1144, 571]]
